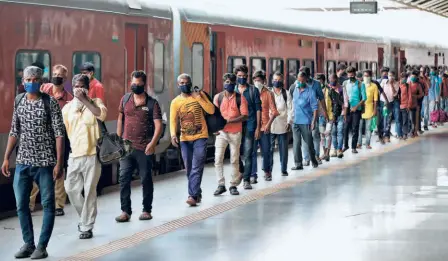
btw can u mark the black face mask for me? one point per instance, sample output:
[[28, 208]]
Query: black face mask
[[57, 80], [352, 79], [137, 89]]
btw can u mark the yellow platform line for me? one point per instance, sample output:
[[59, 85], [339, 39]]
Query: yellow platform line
[[139, 237]]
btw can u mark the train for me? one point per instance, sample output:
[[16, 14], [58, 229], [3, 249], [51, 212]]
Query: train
[[164, 40]]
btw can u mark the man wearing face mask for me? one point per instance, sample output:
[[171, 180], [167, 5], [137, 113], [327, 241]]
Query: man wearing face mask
[[96, 89], [303, 115], [370, 104], [268, 114], [390, 100], [81, 117], [37, 121], [251, 128], [316, 87], [188, 108], [416, 93], [56, 90], [139, 121], [384, 76], [280, 125], [354, 99], [233, 107], [424, 102], [434, 93]]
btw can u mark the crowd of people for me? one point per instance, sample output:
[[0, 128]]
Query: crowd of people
[[58, 132]]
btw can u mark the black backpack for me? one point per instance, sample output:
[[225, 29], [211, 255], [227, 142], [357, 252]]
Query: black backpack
[[150, 104], [215, 122]]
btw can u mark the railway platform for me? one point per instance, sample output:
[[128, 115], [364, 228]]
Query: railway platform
[[388, 203]]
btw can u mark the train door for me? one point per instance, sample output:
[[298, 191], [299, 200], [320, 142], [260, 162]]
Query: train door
[[403, 61], [436, 60], [380, 57], [320, 59], [218, 61], [136, 45]]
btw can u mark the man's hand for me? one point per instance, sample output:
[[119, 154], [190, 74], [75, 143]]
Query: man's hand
[[195, 94], [57, 171], [5, 169], [175, 141], [150, 149], [257, 134], [79, 93], [267, 129], [354, 109], [313, 125]]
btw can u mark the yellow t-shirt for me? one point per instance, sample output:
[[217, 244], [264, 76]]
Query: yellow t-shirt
[[82, 128], [189, 112], [372, 97]]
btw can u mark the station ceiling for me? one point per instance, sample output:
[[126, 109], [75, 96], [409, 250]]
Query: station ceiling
[[439, 7]]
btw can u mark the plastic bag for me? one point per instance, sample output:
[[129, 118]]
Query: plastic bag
[[373, 124]]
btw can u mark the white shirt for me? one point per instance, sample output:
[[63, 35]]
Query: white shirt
[[279, 124], [389, 90]]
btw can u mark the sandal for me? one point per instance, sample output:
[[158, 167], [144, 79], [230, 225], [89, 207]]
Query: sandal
[[86, 235], [145, 216]]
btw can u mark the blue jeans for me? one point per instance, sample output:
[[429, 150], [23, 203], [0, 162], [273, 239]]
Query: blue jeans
[[316, 142], [337, 133], [265, 143], [303, 132], [397, 118], [23, 183], [282, 149], [368, 123], [425, 111], [247, 147], [194, 154]]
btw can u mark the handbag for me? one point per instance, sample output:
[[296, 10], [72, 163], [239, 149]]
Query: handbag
[[110, 148]]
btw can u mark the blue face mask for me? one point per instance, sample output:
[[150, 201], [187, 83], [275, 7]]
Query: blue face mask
[[333, 84], [413, 79], [230, 87], [242, 81], [32, 87], [185, 89], [301, 84], [385, 77], [277, 84]]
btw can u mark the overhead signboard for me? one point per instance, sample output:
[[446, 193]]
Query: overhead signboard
[[367, 7]]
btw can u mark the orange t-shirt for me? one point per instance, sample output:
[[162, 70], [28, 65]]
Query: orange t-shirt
[[96, 90], [63, 98], [229, 110], [268, 107]]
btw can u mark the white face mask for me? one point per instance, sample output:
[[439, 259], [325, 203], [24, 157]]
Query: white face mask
[[367, 80], [259, 85], [78, 105]]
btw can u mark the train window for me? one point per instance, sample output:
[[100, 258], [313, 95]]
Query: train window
[[81, 57], [233, 62], [309, 64], [255, 65], [342, 62], [363, 66], [374, 67], [331, 68], [275, 65], [198, 65], [293, 70], [305, 43], [32, 57], [159, 67], [354, 65]]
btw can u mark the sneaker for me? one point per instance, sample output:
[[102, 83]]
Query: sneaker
[[25, 251], [191, 201], [221, 189], [253, 180], [285, 173], [234, 191], [39, 253], [426, 128], [247, 185], [268, 177], [315, 164], [340, 154], [354, 151], [59, 212], [306, 163], [124, 217], [300, 167]]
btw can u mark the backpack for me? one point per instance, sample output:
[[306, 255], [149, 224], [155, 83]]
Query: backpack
[[237, 97], [215, 122], [150, 104]]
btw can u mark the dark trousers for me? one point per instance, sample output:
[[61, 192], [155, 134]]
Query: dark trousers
[[138, 159], [282, 149], [23, 183], [387, 120], [265, 144], [405, 124], [194, 154], [397, 118], [414, 122], [247, 149], [299, 132], [353, 119]]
